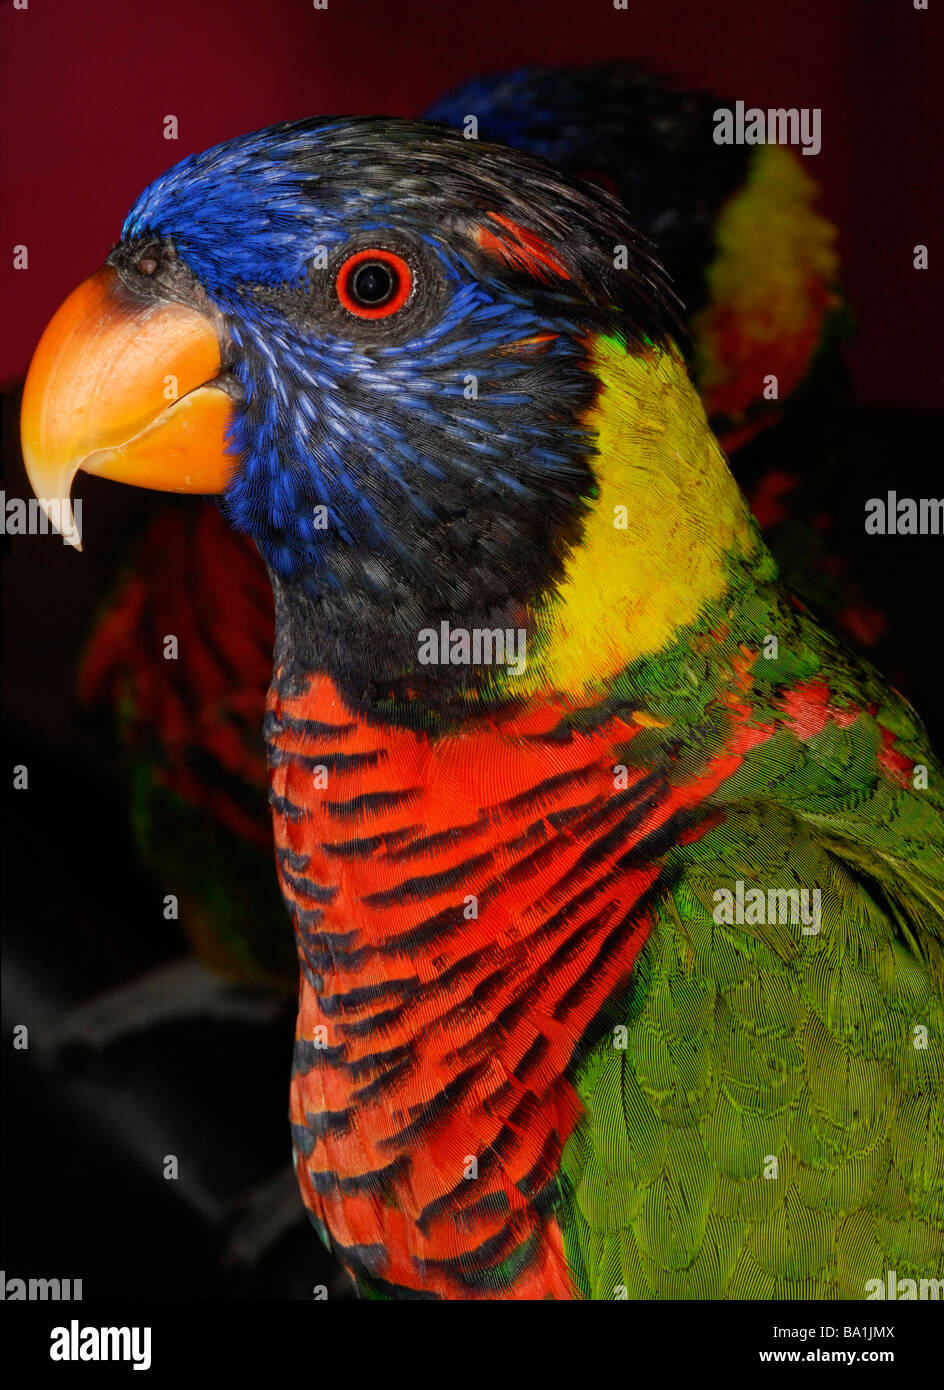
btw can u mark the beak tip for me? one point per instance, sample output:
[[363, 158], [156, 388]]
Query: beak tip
[[52, 488]]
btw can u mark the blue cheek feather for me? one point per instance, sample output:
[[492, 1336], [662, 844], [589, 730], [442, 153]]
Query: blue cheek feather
[[360, 435]]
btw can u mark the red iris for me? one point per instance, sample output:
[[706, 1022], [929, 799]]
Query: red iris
[[374, 283]]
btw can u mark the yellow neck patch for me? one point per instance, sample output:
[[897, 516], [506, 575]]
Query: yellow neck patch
[[652, 552]]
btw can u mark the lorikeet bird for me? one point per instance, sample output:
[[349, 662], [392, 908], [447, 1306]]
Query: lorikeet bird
[[617, 883], [754, 263]]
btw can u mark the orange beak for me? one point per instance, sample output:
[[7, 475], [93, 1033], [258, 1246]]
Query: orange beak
[[123, 386]]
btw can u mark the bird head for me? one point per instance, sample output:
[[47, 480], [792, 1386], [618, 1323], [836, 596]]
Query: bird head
[[376, 341]]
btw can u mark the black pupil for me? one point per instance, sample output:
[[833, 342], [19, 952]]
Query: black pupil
[[373, 283]]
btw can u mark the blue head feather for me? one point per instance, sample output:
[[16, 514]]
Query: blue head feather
[[399, 428]]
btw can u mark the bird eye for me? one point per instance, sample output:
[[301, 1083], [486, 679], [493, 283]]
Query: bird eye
[[374, 283], [148, 264]]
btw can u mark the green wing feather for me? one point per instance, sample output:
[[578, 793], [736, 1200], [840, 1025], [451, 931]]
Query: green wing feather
[[771, 1124]]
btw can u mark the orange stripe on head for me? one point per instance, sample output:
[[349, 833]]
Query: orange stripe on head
[[522, 250], [536, 345]]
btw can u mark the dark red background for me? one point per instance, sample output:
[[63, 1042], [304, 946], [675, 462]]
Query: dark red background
[[86, 87]]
